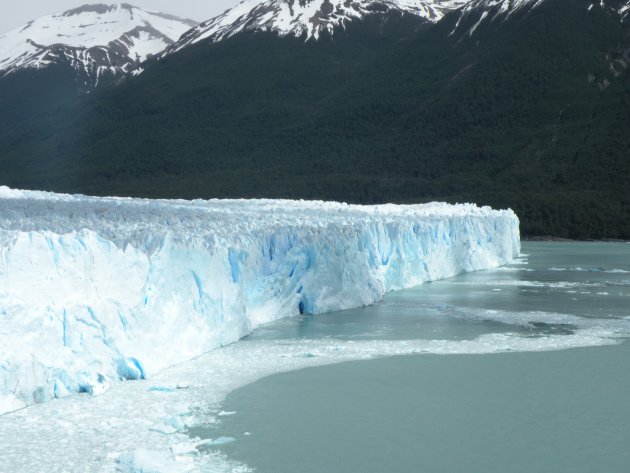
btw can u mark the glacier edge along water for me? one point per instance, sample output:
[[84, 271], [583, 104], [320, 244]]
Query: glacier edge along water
[[95, 290]]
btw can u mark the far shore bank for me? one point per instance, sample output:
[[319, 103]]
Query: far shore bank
[[560, 239]]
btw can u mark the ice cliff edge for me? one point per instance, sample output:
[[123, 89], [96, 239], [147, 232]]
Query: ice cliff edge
[[94, 290]]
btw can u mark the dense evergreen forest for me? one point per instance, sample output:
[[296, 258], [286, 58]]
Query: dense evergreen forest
[[532, 113]]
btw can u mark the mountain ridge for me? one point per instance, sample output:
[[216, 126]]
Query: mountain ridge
[[122, 50], [308, 18]]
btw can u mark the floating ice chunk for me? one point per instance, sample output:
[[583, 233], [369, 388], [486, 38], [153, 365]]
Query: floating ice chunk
[[592, 270], [162, 389], [223, 440], [10, 403], [94, 388], [216, 442], [183, 449], [163, 429], [169, 426], [148, 461]]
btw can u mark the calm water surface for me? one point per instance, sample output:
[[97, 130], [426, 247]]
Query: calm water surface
[[554, 411]]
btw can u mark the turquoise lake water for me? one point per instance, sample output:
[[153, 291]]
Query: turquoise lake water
[[537, 411]]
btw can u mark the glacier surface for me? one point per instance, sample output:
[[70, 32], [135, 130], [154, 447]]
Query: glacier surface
[[95, 290]]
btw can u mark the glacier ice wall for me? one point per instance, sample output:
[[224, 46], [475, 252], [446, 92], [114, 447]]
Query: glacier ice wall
[[94, 290]]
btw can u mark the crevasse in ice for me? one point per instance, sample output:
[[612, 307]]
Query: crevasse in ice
[[94, 290]]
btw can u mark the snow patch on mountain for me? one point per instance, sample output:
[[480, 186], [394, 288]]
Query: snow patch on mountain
[[93, 39], [95, 290], [476, 12], [308, 18]]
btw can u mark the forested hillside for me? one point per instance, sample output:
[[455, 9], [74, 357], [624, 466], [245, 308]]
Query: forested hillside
[[531, 113]]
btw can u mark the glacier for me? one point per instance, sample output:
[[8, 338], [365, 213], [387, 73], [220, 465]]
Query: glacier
[[97, 290]]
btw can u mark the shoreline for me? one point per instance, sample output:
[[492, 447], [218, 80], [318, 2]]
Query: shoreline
[[550, 238]]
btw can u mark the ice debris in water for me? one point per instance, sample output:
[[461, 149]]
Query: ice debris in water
[[96, 290], [98, 432], [148, 461], [216, 442]]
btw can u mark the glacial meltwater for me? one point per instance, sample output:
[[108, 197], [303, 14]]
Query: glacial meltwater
[[537, 377]]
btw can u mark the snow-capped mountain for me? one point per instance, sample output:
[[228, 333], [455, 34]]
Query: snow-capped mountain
[[94, 40], [307, 18]]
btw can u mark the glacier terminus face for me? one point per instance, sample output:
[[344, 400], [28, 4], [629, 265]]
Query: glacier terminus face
[[97, 290]]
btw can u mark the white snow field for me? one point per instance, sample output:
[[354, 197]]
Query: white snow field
[[96, 290]]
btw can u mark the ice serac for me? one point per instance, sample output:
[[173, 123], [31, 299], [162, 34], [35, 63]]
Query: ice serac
[[95, 290]]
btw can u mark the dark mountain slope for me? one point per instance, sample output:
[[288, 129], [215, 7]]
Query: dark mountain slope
[[525, 112]]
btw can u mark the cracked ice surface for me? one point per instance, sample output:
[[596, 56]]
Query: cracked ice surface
[[95, 290]]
